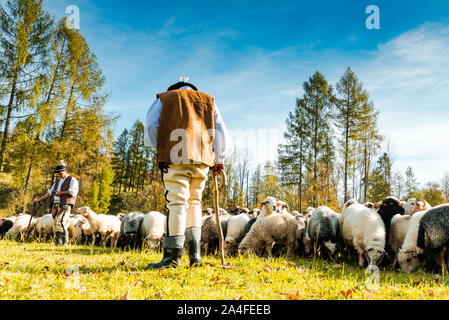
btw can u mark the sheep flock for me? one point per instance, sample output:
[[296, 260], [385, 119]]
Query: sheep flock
[[391, 233]]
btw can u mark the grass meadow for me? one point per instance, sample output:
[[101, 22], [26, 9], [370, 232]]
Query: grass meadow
[[44, 271]]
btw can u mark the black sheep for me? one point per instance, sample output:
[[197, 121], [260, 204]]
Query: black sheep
[[249, 225], [388, 208], [433, 236], [5, 225]]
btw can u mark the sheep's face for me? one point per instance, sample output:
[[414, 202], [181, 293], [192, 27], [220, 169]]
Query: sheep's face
[[308, 245], [208, 212], [408, 260], [84, 211], [230, 247], [308, 212], [349, 203], [154, 242], [374, 256], [414, 205], [332, 247], [242, 249], [254, 213], [281, 207], [270, 204], [369, 205], [390, 207]]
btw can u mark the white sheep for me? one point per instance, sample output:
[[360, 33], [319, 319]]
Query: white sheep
[[280, 229], [152, 229], [408, 254], [416, 205], [363, 231], [269, 207], [45, 227], [20, 227], [398, 229], [120, 216], [282, 207], [107, 226], [235, 232], [295, 213], [79, 228], [308, 212]]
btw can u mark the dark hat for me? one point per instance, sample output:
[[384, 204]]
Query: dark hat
[[61, 167], [182, 83]]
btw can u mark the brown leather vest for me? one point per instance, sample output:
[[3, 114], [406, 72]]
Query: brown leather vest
[[193, 113], [65, 199]]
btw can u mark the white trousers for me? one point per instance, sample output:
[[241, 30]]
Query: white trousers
[[184, 186]]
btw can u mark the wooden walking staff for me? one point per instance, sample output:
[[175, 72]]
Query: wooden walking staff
[[215, 175], [33, 213]]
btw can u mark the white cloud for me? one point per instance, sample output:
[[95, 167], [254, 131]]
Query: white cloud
[[408, 80]]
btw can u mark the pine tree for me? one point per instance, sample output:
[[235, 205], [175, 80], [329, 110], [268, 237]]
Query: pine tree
[[445, 186], [25, 31], [350, 104], [411, 186], [381, 179], [292, 156]]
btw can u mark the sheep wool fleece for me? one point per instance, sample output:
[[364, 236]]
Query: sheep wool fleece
[[184, 186], [62, 220]]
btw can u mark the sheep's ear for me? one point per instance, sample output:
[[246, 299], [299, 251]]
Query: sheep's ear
[[421, 204]]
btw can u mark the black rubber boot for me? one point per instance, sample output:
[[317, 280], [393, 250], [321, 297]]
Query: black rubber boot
[[58, 238], [173, 247], [193, 239], [65, 238]]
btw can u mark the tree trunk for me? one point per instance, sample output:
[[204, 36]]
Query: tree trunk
[[7, 121]]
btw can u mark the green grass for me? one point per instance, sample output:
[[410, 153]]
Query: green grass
[[41, 271]]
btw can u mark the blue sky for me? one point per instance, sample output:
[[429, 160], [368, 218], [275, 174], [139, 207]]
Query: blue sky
[[253, 57]]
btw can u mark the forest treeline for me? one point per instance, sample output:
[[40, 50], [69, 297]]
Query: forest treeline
[[52, 107]]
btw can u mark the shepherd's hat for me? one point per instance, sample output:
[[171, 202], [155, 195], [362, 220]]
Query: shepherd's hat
[[182, 83], [61, 167]]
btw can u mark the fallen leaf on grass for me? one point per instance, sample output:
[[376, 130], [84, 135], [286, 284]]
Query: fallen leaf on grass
[[336, 266], [347, 294], [417, 282], [226, 266], [291, 264], [138, 283], [431, 293], [125, 296], [126, 264], [268, 269], [208, 264], [47, 268], [294, 296], [7, 263]]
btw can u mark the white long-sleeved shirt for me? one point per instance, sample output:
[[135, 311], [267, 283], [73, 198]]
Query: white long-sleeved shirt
[[222, 142], [73, 188]]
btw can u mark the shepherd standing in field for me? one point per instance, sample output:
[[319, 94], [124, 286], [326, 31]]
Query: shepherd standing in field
[[62, 200], [188, 131]]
